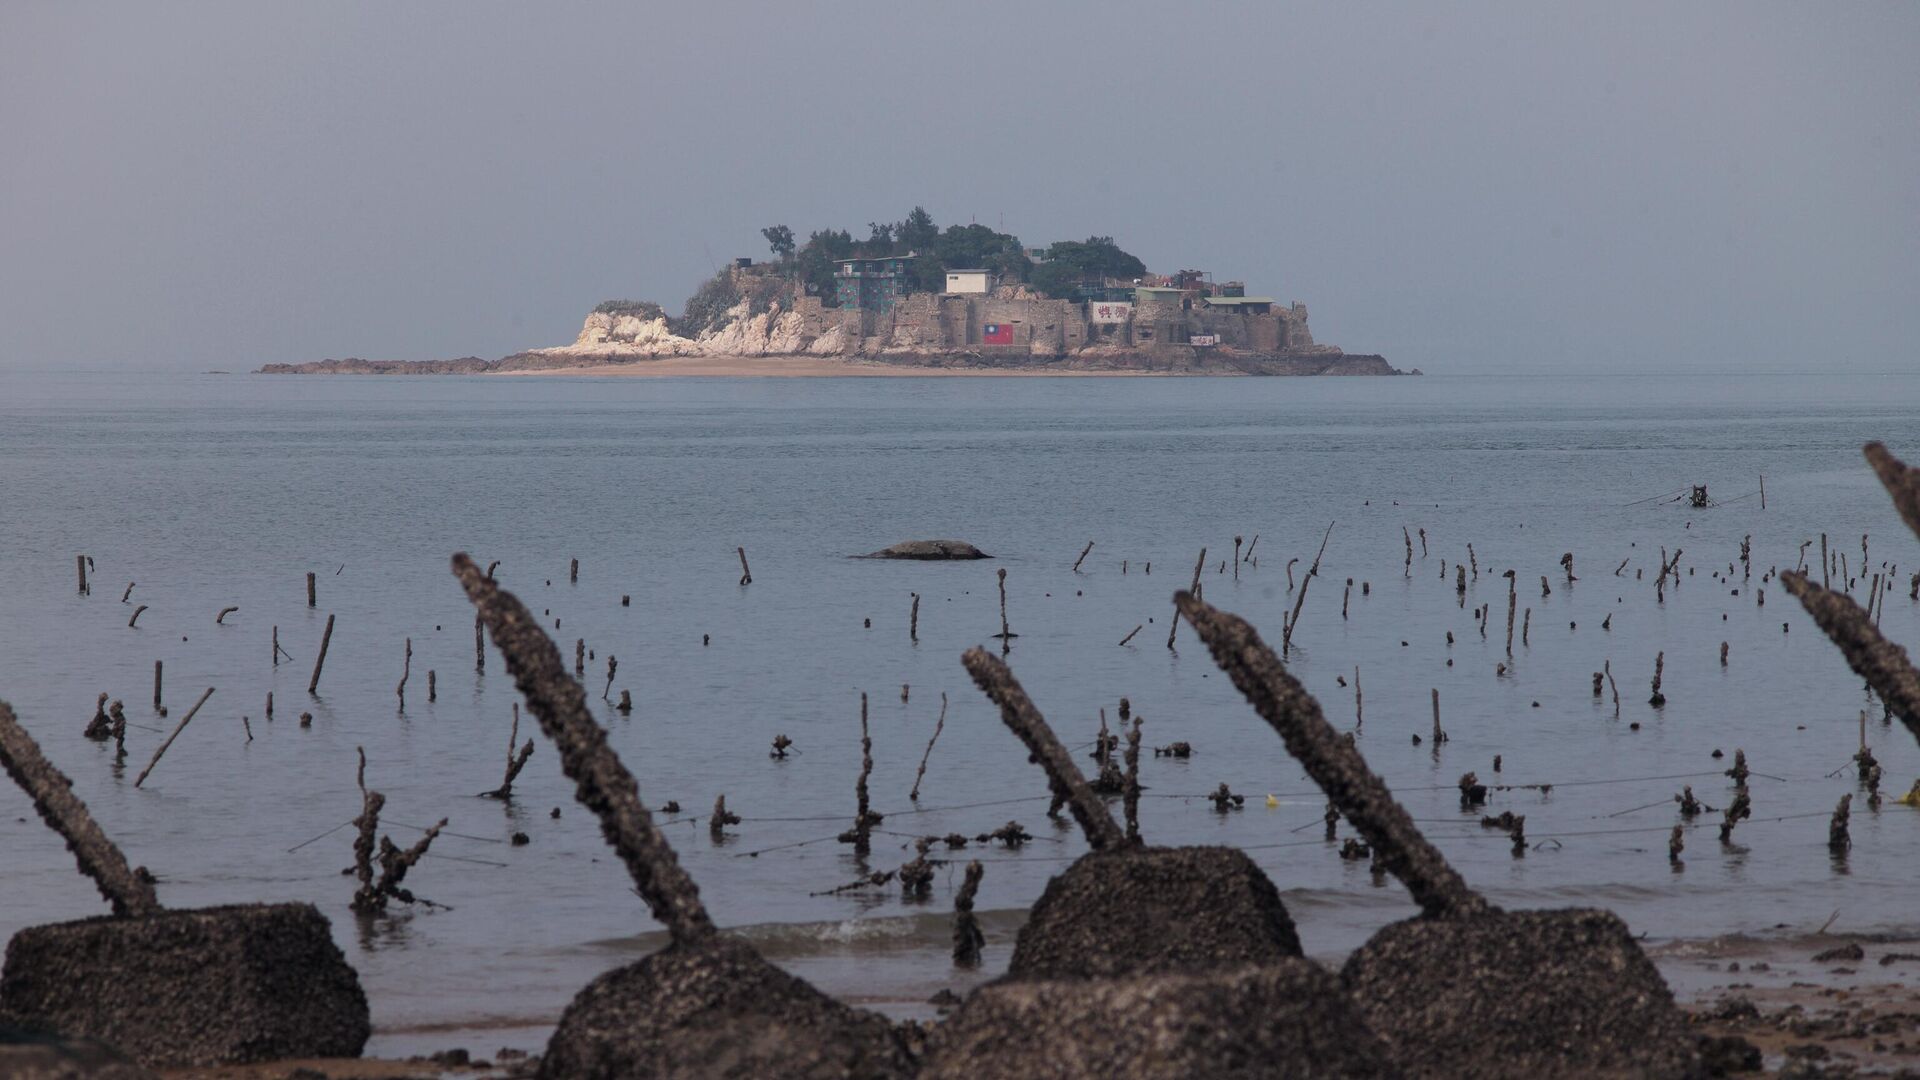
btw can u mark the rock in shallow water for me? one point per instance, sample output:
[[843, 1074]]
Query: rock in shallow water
[[929, 550], [1154, 911], [208, 986], [717, 1009], [1519, 994], [1283, 1020]]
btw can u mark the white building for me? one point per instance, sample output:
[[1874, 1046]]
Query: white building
[[969, 281]]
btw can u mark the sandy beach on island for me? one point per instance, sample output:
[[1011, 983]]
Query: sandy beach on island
[[802, 367]]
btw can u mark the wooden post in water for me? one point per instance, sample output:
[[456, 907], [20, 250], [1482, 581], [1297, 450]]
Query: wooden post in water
[[573, 573], [1083, 556], [80, 564], [178, 728], [913, 620], [479, 645], [746, 575], [406, 669], [156, 685], [1763, 491], [310, 589], [326, 637]]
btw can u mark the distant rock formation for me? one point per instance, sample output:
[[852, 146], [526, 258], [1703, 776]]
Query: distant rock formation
[[1011, 327]]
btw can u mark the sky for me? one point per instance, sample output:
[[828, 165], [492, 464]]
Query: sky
[[1470, 187]]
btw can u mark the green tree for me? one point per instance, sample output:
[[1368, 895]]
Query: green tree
[[816, 260], [918, 233], [780, 239]]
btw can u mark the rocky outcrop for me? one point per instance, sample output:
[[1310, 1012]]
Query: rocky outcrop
[[1009, 328], [1145, 911], [717, 1009], [1282, 1020], [929, 550], [466, 365], [207, 986]]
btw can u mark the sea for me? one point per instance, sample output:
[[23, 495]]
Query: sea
[[189, 494]]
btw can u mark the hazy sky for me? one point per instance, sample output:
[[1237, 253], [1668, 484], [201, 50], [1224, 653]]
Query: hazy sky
[[1460, 187]]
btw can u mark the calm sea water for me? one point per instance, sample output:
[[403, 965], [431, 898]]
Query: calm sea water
[[211, 491]]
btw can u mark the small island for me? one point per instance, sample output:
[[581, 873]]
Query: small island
[[917, 299]]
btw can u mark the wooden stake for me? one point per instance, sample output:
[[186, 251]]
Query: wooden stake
[[178, 728], [1763, 491], [136, 616], [913, 620], [1083, 556], [406, 669], [1293, 620], [1173, 624], [326, 638], [1132, 632], [80, 564], [221, 619], [746, 575], [573, 573], [479, 644], [156, 685], [310, 589]]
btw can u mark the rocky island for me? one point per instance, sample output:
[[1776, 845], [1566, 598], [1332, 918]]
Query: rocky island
[[913, 299]]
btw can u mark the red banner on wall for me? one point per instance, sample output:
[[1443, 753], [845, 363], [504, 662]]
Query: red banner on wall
[[996, 334]]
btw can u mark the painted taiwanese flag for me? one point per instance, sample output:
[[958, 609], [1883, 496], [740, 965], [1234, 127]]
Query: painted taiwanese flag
[[996, 334]]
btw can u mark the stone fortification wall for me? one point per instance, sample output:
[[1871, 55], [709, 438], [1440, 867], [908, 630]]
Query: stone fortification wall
[[929, 323]]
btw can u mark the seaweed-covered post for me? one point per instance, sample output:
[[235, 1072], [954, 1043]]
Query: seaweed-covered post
[[1335, 765], [864, 819], [515, 762], [967, 938], [406, 669], [913, 620], [1659, 668], [479, 645], [1838, 841], [601, 782], [1131, 798], [938, 726], [1006, 633], [573, 572], [1017, 711], [128, 891]]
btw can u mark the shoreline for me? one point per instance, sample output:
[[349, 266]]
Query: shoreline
[[802, 367]]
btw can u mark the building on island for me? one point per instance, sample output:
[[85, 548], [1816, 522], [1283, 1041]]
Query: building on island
[[872, 284], [969, 281], [1248, 305]]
